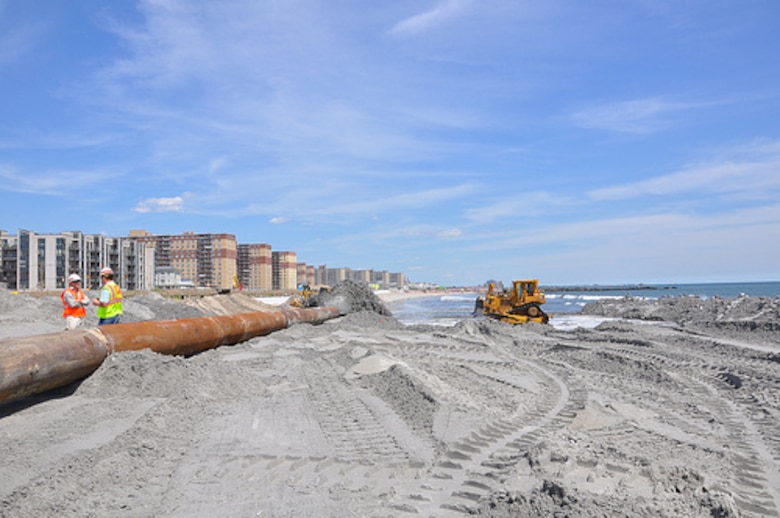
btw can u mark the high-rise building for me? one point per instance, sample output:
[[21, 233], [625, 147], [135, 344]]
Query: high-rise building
[[306, 275], [285, 270], [209, 260], [255, 268], [42, 262]]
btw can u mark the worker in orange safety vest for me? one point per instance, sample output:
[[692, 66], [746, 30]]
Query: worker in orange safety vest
[[74, 301]]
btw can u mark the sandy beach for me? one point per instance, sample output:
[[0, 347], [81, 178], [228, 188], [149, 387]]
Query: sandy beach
[[671, 410]]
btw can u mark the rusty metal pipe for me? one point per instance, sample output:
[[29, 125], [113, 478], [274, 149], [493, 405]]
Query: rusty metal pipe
[[309, 315], [191, 335], [33, 364]]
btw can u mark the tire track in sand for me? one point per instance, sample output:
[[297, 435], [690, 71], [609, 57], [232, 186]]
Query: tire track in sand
[[474, 466]]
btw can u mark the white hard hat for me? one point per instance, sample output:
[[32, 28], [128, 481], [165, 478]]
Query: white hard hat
[[73, 277], [106, 271]]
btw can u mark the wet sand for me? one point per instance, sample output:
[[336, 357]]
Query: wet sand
[[672, 410]]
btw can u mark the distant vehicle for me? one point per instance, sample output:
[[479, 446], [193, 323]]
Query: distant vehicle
[[520, 305], [308, 297]]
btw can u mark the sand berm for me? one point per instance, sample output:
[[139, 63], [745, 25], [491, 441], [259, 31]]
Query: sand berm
[[668, 408]]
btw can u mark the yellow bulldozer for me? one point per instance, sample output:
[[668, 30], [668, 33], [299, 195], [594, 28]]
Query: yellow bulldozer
[[308, 296], [520, 305]]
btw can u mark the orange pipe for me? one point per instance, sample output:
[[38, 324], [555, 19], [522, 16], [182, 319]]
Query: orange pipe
[[191, 335], [309, 315], [33, 364]]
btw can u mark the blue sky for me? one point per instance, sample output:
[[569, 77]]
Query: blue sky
[[457, 141]]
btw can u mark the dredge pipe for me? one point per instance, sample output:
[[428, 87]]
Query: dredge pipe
[[191, 335], [309, 315], [33, 364]]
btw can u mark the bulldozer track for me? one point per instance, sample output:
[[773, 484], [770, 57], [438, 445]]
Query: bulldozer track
[[469, 468], [711, 377]]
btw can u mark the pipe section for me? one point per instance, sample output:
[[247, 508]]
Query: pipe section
[[191, 335], [33, 364]]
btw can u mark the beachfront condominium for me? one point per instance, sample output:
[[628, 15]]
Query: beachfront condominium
[[285, 270], [255, 268], [207, 260], [33, 261]]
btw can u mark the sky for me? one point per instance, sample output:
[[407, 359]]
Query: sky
[[456, 141]]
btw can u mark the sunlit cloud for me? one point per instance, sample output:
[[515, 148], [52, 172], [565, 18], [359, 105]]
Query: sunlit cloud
[[277, 220], [638, 116], [417, 199], [755, 176], [175, 204], [503, 209], [55, 183], [450, 232], [443, 12]]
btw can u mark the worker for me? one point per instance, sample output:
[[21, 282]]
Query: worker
[[74, 300], [109, 305]]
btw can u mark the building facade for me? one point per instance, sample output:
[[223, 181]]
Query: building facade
[[208, 260], [33, 261], [285, 270], [255, 266]]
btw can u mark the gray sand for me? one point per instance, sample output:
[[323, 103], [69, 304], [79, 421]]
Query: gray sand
[[672, 412]]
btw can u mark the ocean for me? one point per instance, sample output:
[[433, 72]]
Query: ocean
[[564, 304]]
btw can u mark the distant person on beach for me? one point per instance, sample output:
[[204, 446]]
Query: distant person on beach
[[74, 300], [109, 305]]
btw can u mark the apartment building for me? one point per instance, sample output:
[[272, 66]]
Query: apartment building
[[306, 274], [285, 270], [42, 262], [208, 260], [255, 266], [380, 278]]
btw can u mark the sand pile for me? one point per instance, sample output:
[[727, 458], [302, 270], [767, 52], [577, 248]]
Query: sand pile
[[689, 309], [756, 319], [350, 297], [363, 416]]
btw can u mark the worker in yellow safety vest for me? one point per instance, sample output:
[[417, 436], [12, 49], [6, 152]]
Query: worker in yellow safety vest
[[109, 305], [74, 301]]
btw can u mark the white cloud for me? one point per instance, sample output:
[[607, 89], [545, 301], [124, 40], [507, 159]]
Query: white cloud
[[756, 175], [444, 11], [54, 183], [638, 116], [175, 204], [450, 232], [277, 220], [401, 201], [507, 209]]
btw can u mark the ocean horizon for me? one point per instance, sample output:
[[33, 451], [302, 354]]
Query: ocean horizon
[[564, 303]]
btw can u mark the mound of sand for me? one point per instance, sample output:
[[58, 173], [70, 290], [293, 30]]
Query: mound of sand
[[363, 416]]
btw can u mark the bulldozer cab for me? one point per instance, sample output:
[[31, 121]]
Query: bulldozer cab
[[527, 291]]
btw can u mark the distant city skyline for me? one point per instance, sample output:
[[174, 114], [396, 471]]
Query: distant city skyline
[[143, 260]]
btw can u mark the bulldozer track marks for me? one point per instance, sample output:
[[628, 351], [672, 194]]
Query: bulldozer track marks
[[471, 466], [707, 374]]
